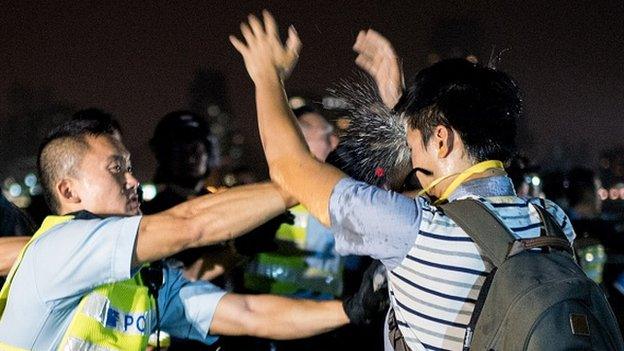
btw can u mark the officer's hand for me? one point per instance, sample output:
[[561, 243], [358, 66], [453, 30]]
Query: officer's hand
[[371, 299]]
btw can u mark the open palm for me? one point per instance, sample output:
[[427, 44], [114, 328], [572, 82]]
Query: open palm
[[263, 51], [377, 57]]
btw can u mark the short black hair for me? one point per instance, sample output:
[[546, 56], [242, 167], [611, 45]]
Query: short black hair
[[97, 114], [62, 149], [480, 103]]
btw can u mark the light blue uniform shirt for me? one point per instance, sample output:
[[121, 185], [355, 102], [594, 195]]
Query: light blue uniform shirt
[[70, 260]]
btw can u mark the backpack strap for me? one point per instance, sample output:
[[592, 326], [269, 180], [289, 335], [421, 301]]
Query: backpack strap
[[550, 227], [552, 235], [484, 227], [493, 237]]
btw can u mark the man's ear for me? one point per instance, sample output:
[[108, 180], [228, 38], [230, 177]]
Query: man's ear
[[444, 137], [67, 191]]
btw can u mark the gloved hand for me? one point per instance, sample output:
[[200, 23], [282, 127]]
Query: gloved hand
[[371, 299]]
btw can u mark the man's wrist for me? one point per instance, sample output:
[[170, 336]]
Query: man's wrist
[[268, 80]]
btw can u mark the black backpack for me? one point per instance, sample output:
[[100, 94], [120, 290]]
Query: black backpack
[[536, 297]]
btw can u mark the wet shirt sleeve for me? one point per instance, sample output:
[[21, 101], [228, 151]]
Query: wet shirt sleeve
[[367, 220]]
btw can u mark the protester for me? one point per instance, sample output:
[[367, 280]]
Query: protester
[[461, 119]]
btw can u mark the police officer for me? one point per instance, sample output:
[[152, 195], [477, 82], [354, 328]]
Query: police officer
[[76, 284]]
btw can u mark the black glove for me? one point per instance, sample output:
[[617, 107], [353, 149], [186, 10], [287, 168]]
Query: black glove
[[371, 299]]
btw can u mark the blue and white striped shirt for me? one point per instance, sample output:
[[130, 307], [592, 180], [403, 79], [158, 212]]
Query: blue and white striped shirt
[[435, 269]]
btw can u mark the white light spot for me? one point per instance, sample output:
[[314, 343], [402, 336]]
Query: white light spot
[[149, 191], [30, 180], [15, 190]]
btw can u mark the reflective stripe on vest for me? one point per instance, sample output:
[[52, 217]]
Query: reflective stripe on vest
[[288, 274], [111, 317], [75, 344]]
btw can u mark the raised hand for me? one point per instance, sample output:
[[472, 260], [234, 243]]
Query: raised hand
[[377, 57], [263, 52]]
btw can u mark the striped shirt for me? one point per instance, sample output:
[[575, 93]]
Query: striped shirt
[[435, 269]]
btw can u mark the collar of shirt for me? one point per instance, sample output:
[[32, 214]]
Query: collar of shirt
[[485, 187]]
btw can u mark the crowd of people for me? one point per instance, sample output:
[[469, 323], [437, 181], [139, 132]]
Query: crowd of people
[[319, 257]]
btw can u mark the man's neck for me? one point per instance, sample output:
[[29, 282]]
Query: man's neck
[[450, 170], [453, 172]]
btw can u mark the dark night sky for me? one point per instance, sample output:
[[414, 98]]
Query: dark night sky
[[136, 59]]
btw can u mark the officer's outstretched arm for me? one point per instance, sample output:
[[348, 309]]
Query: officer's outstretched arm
[[10, 248], [207, 220], [275, 317]]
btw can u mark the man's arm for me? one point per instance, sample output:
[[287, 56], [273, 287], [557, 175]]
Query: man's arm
[[10, 248], [275, 317], [207, 220], [291, 164]]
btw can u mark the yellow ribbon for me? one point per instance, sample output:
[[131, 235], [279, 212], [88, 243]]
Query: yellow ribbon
[[461, 177]]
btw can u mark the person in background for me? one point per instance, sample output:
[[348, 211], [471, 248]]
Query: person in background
[[183, 147]]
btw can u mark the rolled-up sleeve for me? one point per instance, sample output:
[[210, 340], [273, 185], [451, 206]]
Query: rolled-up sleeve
[[367, 220]]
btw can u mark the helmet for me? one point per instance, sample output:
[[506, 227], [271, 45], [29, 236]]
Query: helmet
[[180, 127]]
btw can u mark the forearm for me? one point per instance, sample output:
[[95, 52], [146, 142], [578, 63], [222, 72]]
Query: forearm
[[285, 318], [291, 164], [207, 220], [235, 212], [10, 248]]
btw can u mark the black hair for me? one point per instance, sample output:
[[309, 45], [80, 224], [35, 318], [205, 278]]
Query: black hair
[[480, 103], [178, 128], [63, 148], [97, 114]]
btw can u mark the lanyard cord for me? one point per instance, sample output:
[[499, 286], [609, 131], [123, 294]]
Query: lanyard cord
[[461, 177]]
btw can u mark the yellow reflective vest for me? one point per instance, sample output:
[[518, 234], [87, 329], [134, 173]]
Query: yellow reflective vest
[[111, 317]]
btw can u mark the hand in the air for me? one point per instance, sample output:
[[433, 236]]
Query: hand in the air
[[377, 57], [263, 52]]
